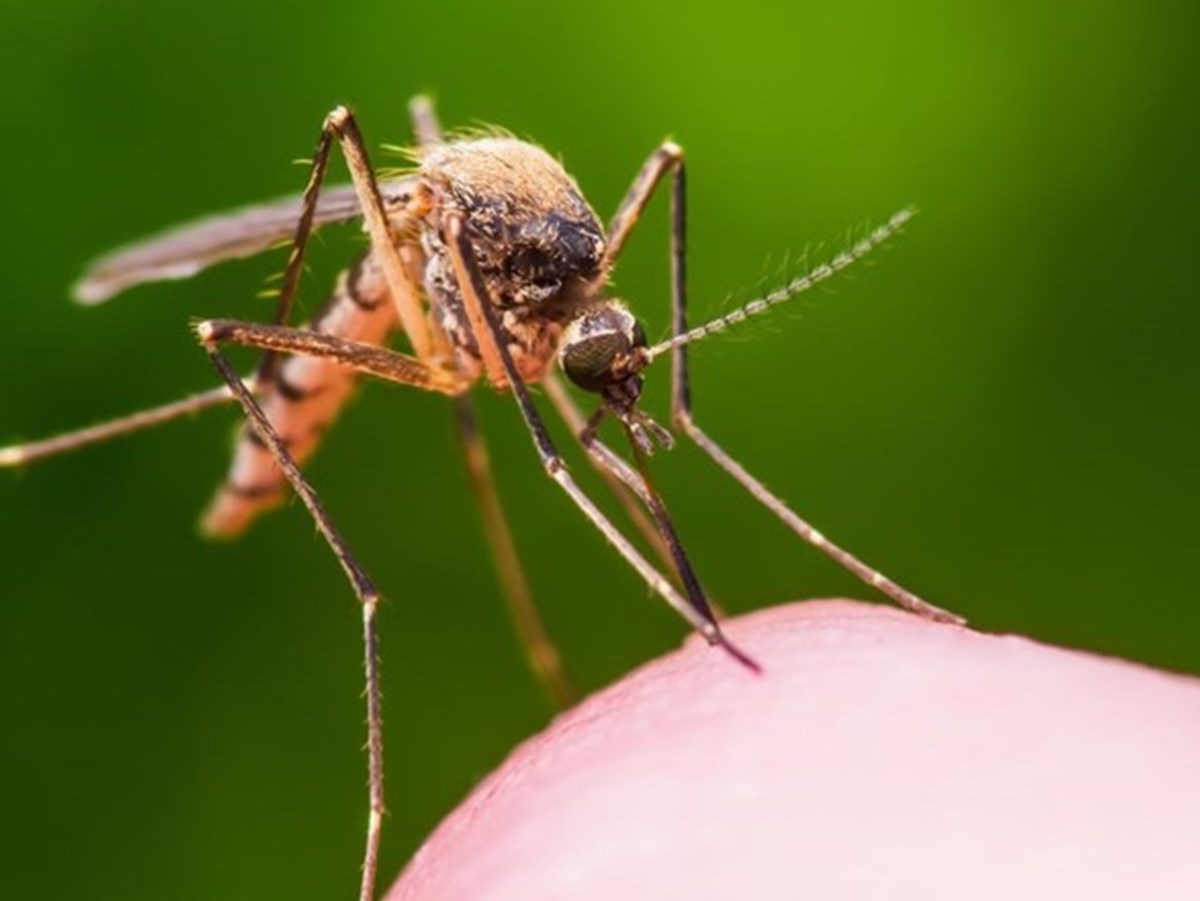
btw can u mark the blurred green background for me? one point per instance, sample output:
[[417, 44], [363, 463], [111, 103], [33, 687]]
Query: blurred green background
[[1000, 412]]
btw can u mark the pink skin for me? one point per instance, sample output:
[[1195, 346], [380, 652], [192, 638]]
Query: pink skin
[[878, 756]]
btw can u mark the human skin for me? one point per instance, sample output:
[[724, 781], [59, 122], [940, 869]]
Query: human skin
[[878, 755]]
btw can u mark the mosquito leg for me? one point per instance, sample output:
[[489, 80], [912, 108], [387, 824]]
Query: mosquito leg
[[681, 402], [425, 122], [640, 484], [543, 657], [295, 261], [493, 348], [367, 358], [404, 291], [428, 131], [20, 454], [625, 487], [661, 161], [363, 587], [253, 484]]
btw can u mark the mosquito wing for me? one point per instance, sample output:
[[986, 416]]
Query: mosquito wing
[[183, 251]]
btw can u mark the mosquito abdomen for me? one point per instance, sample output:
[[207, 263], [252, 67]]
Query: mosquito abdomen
[[301, 402]]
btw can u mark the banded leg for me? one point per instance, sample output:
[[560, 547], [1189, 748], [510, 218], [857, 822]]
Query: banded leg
[[668, 158], [495, 352], [540, 652]]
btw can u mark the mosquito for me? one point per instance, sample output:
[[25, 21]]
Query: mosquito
[[490, 264]]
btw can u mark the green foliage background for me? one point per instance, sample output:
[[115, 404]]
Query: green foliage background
[[1000, 412]]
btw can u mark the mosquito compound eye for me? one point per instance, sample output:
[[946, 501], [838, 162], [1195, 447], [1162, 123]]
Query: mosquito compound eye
[[589, 362], [597, 349]]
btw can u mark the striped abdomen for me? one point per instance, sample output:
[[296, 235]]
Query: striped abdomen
[[302, 401]]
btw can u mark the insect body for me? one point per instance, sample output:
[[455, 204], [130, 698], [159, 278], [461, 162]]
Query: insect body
[[302, 399], [538, 246], [492, 267]]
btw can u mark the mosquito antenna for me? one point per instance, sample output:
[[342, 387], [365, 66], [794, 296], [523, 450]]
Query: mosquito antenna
[[796, 286]]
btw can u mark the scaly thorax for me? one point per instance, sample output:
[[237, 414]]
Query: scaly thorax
[[537, 243]]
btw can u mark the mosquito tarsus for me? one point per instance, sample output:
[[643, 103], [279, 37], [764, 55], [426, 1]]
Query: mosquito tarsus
[[493, 266]]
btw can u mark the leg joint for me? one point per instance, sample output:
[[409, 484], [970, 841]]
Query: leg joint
[[338, 118], [671, 152], [207, 332], [681, 418]]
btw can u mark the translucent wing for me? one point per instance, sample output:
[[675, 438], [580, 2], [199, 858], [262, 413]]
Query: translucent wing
[[183, 251]]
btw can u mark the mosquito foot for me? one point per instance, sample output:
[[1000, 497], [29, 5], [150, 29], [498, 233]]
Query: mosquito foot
[[717, 638], [930, 612]]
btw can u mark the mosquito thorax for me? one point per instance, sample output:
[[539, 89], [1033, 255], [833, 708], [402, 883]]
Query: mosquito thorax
[[533, 233], [603, 350]]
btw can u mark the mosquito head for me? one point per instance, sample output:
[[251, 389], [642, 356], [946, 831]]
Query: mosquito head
[[603, 349]]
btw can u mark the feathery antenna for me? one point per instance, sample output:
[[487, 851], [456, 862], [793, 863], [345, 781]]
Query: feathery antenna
[[792, 288]]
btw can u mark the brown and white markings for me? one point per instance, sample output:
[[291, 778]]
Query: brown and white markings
[[492, 267]]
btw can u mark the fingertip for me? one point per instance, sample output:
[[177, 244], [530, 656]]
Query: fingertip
[[878, 752]]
